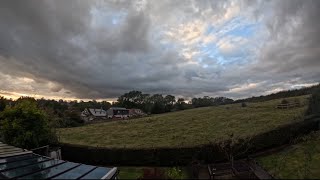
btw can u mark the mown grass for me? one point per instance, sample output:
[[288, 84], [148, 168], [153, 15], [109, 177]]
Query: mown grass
[[186, 128], [300, 161]]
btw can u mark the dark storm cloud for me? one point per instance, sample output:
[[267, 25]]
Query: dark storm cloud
[[101, 49], [293, 48], [43, 40]]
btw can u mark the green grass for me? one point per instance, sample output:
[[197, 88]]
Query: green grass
[[300, 161], [185, 128], [130, 172], [138, 172]]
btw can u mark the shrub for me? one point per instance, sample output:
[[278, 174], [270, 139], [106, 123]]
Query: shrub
[[284, 101], [71, 118], [176, 173], [314, 103], [243, 104], [26, 126]]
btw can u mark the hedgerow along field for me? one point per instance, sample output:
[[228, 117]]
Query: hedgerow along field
[[188, 128]]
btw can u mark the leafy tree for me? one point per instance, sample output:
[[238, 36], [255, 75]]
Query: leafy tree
[[2, 103], [71, 118], [25, 125], [158, 104], [131, 99], [181, 105], [210, 101], [169, 102]]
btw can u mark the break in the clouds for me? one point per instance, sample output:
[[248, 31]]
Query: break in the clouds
[[100, 49]]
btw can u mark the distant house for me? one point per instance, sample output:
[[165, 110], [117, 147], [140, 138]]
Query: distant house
[[136, 113], [90, 114], [118, 112]]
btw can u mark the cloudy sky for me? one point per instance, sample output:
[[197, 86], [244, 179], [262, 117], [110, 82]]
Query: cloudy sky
[[101, 49]]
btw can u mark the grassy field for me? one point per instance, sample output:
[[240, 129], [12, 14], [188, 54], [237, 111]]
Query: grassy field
[[300, 161], [185, 128]]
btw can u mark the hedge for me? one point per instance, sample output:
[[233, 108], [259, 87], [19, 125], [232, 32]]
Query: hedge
[[184, 156]]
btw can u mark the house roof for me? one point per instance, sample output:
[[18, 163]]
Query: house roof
[[97, 112], [118, 108]]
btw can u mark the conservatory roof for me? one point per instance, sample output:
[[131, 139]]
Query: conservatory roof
[[17, 163]]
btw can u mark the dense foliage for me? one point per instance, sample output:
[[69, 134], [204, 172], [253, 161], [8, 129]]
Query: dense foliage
[[25, 125], [153, 104], [210, 101]]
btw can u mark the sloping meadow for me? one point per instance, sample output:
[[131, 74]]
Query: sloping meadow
[[188, 128], [185, 137]]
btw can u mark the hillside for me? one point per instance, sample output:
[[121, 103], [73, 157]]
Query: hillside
[[186, 128]]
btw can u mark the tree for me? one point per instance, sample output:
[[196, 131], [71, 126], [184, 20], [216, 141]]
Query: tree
[[180, 104], [158, 104], [2, 103], [25, 125], [169, 102], [234, 147], [71, 118], [210, 101], [133, 99]]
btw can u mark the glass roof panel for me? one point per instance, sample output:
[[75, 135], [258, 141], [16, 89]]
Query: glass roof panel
[[48, 173], [76, 172], [97, 173], [29, 169]]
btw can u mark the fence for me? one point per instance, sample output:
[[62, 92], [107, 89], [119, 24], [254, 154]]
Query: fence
[[288, 106]]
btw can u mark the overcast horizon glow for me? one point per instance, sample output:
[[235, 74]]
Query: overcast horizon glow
[[188, 48]]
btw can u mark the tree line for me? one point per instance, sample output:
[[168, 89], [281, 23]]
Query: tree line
[[282, 94], [67, 113], [158, 103]]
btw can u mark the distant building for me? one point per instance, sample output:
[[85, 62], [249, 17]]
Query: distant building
[[90, 114], [136, 112], [118, 112]]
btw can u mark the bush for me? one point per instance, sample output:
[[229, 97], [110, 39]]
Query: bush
[[26, 126], [243, 104], [284, 101], [71, 118], [314, 103]]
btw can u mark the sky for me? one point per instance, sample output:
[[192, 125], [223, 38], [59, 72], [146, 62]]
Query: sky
[[93, 49]]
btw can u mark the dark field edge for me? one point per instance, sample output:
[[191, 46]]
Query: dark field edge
[[210, 153]]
